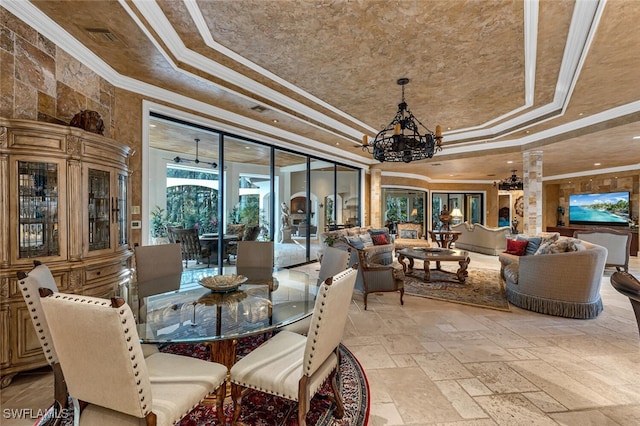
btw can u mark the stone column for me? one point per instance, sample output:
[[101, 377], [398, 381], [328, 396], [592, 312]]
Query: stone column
[[532, 177], [375, 210]]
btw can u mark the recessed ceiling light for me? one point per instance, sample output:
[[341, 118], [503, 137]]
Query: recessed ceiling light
[[636, 137], [510, 162], [275, 121], [247, 147], [596, 164], [526, 131], [581, 114], [337, 143], [152, 125]]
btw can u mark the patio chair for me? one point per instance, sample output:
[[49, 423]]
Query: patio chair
[[191, 247]]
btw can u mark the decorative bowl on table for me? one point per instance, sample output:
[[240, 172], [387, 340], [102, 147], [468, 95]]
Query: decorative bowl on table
[[223, 283]]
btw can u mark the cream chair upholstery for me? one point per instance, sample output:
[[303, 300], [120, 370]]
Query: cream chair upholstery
[[380, 278], [333, 262], [618, 244], [294, 366], [101, 358]]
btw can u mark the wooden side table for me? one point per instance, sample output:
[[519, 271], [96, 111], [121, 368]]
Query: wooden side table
[[444, 238]]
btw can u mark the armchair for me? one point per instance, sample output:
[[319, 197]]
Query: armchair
[[380, 278], [618, 244], [293, 366], [103, 366], [410, 235]]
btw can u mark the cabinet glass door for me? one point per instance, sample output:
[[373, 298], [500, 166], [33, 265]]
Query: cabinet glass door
[[120, 210], [99, 210], [38, 209]]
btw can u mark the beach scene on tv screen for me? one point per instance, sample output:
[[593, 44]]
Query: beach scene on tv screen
[[610, 208]]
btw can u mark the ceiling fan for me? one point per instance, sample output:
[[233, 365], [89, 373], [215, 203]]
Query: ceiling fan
[[178, 159]]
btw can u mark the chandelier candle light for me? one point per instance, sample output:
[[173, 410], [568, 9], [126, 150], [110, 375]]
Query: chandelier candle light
[[401, 140]]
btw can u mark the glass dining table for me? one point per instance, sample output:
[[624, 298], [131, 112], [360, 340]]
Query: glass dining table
[[193, 313]]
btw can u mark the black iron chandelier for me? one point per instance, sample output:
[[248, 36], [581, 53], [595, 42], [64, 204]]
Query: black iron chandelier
[[401, 140], [512, 183], [196, 161]]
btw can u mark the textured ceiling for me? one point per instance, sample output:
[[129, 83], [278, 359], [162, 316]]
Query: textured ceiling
[[501, 77]]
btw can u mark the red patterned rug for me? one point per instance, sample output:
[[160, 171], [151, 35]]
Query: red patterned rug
[[262, 409]]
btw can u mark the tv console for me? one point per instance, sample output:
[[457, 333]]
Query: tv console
[[567, 231]]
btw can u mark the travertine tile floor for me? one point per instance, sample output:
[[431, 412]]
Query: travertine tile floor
[[430, 362]]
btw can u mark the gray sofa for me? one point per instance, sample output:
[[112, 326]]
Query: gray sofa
[[560, 283], [481, 239]]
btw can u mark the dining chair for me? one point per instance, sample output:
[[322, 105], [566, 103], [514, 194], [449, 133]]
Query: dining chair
[[158, 269], [101, 357], [29, 284], [255, 260], [334, 261], [380, 278], [190, 246], [294, 366]]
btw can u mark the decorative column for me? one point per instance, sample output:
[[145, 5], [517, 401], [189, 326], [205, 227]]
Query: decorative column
[[375, 209], [532, 178]]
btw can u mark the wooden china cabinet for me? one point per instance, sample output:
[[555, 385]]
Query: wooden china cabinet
[[63, 202]]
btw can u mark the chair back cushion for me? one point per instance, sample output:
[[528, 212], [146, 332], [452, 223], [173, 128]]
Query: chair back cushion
[[334, 260], [99, 352], [255, 259], [39, 277], [328, 319], [158, 269]]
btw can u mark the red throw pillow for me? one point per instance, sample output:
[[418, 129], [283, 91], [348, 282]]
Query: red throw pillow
[[380, 239], [517, 247]]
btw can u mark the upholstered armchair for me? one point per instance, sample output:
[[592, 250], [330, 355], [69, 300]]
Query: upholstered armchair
[[380, 278], [294, 366], [103, 365], [617, 242], [410, 235]]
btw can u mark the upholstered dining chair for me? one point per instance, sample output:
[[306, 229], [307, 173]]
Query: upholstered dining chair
[[334, 261], [101, 357], [380, 278], [255, 260], [158, 269], [293, 366], [190, 246]]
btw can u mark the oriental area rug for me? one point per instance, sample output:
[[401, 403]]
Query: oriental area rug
[[482, 288], [261, 409]]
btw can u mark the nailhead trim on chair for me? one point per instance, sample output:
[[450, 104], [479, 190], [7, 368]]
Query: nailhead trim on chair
[[145, 408], [40, 331]]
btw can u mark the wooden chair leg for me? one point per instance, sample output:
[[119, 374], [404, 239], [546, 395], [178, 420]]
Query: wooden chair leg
[[336, 393], [636, 310], [151, 419], [402, 296], [303, 400], [236, 396], [221, 393], [365, 301]]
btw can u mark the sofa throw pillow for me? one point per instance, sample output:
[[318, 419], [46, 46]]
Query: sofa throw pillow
[[366, 239], [532, 244], [516, 247], [379, 239], [411, 234], [355, 242]]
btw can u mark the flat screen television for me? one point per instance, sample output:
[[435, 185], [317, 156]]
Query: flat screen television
[[610, 209]]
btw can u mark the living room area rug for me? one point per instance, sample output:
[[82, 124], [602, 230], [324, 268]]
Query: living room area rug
[[482, 288]]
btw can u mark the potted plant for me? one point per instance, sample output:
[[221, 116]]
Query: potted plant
[[158, 229]]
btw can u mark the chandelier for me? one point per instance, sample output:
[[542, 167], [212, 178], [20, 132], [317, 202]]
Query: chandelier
[[196, 161], [513, 183], [401, 140]]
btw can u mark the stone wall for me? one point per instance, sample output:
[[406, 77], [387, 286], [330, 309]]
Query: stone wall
[[39, 81]]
